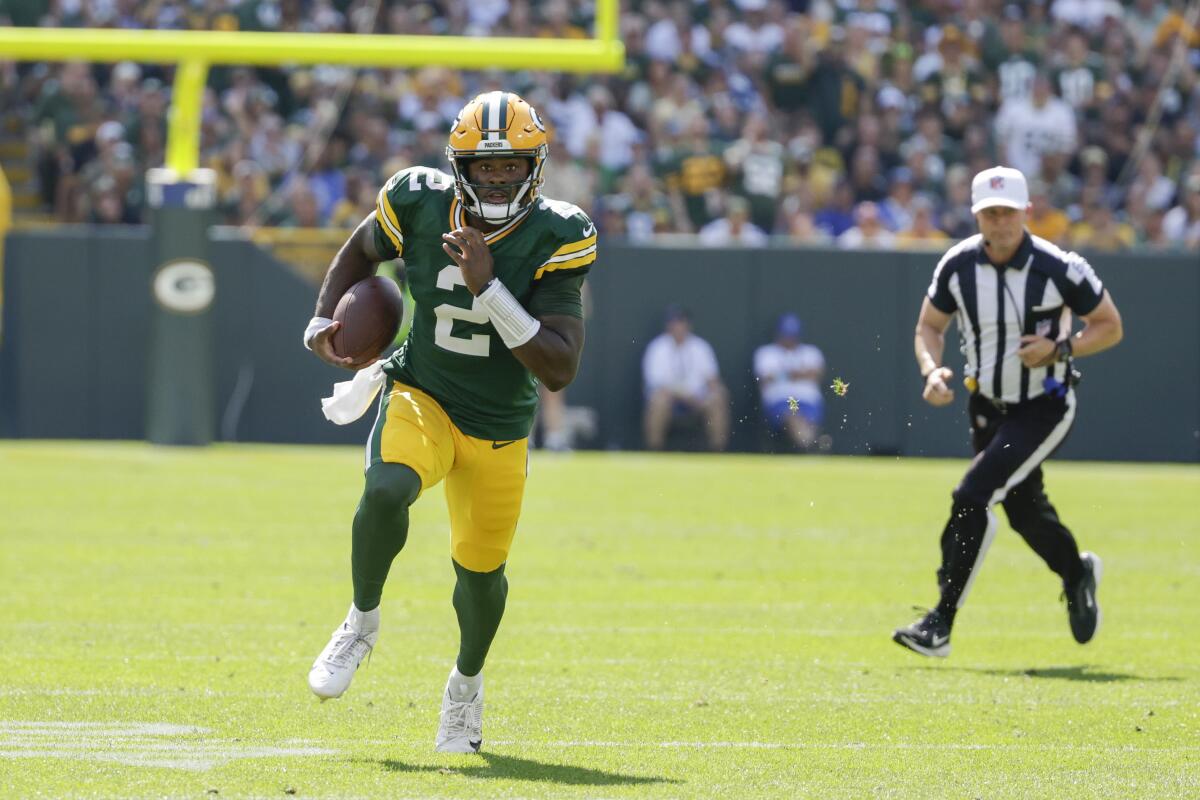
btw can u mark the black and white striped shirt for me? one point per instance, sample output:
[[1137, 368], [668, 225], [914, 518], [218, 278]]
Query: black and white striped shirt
[[995, 306]]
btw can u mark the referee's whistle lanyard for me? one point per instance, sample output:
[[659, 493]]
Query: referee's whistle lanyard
[[1051, 385]]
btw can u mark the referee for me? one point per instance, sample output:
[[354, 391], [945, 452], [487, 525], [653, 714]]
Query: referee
[[1012, 294]]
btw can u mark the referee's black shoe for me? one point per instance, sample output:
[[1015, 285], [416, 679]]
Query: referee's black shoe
[[1082, 608], [929, 636]]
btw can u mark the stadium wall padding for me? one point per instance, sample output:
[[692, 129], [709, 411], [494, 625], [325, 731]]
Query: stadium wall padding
[[77, 311]]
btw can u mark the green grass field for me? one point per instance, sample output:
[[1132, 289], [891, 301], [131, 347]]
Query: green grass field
[[678, 626]]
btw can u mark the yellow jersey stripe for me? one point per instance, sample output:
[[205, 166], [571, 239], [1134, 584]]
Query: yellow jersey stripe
[[385, 205], [576, 246], [570, 256], [574, 263], [387, 221], [386, 228]]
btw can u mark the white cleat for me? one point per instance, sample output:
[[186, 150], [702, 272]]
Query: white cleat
[[461, 727], [333, 670]]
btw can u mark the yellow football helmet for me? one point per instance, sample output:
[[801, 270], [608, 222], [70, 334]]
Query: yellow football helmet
[[497, 124]]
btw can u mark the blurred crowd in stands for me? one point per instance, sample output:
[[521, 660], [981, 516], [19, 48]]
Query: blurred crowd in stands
[[855, 123]]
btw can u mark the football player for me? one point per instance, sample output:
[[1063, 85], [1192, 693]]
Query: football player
[[495, 269]]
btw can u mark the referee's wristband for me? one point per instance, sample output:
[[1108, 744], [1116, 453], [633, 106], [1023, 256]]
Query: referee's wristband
[[1063, 350], [508, 316]]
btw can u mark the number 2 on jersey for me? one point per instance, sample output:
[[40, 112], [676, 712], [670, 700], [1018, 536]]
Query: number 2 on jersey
[[430, 177], [478, 344]]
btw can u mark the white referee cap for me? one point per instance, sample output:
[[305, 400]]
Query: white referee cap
[[999, 186]]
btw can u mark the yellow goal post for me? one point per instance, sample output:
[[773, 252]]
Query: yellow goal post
[[194, 51]]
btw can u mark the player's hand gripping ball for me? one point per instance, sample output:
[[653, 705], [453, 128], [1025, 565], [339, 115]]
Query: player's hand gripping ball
[[368, 316]]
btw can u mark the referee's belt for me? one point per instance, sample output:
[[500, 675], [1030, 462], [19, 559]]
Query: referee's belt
[[1000, 405], [1051, 386], [973, 387]]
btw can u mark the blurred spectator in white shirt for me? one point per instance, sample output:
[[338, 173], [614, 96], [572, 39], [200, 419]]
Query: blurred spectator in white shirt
[[733, 228], [868, 232], [753, 35], [1089, 14], [1182, 223], [897, 208], [682, 380], [673, 35], [802, 228], [616, 132], [484, 14], [1142, 20], [1157, 189], [1040, 124], [756, 163]]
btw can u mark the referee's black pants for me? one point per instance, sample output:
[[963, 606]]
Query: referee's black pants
[[1010, 442]]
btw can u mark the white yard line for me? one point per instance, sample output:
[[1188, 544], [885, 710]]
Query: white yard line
[[98, 728], [189, 747], [138, 744], [751, 745]]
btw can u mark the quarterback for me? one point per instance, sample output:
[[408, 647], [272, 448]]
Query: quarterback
[[496, 271]]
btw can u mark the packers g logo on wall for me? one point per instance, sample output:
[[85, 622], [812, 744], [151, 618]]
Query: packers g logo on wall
[[185, 286]]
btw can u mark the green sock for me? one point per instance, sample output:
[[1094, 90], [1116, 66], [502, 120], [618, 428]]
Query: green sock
[[380, 529], [479, 602]]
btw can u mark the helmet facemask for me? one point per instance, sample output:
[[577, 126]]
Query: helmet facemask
[[520, 196]]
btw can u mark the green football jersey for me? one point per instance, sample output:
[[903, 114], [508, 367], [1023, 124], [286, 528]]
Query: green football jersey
[[452, 351]]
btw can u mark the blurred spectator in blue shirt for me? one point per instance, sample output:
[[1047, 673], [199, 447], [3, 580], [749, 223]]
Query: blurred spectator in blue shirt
[[789, 374]]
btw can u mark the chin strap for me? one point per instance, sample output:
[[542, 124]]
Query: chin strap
[[502, 219], [502, 211]]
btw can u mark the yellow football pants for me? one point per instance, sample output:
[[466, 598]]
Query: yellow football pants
[[485, 480]]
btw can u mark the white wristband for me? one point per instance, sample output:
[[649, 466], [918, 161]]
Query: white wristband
[[315, 326], [508, 316]]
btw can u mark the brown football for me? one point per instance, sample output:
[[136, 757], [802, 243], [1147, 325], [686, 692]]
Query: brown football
[[370, 312]]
